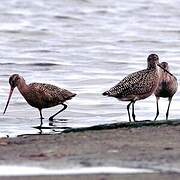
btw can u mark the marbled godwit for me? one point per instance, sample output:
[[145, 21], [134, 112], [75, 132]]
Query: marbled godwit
[[40, 95], [166, 88], [138, 85]]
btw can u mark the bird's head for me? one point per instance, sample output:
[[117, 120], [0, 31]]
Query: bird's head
[[165, 65], [14, 80], [152, 59]]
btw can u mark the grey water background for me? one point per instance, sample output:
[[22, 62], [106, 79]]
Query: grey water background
[[86, 46]]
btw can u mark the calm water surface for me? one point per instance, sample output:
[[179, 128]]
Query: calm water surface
[[86, 46]]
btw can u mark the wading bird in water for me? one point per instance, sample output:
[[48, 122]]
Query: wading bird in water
[[166, 88], [40, 95], [138, 85]]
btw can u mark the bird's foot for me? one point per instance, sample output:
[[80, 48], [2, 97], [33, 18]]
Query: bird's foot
[[166, 117], [155, 118], [134, 117], [51, 118], [38, 127]]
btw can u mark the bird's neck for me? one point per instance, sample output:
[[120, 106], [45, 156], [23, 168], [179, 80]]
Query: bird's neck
[[164, 75], [22, 86], [152, 66]]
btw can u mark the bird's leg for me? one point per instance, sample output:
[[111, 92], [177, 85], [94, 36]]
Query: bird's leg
[[157, 111], [41, 117], [128, 106], [65, 106], [133, 114], [167, 113], [40, 111]]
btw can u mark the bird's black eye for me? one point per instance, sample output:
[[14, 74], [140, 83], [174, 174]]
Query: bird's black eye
[[13, 80], [12, 83], [16, 78]]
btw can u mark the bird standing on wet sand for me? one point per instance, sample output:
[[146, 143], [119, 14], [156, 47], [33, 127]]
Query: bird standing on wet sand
[[138, 85], [166, 88], [40, 95]]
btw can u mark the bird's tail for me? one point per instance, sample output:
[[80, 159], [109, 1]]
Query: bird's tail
[[113, 92], [68, 95], [106, 93], [74, 94], [71, 96]]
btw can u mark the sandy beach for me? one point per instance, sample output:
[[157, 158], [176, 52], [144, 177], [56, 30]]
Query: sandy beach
[[154, 148]]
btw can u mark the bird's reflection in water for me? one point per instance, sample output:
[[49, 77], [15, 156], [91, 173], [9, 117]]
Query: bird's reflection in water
[[57, 121], [55, 126]]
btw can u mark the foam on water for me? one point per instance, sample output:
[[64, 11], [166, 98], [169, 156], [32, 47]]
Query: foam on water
[[32, 171]]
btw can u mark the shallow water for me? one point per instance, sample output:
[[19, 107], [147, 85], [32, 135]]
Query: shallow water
[[29, 171], [85, 46]]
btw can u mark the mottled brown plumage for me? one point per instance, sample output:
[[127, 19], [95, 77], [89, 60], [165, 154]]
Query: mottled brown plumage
[[138, 85], [40, 95], [166, 88]]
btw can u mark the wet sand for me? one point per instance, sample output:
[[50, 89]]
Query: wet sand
[[101, 177], [154, 148]]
